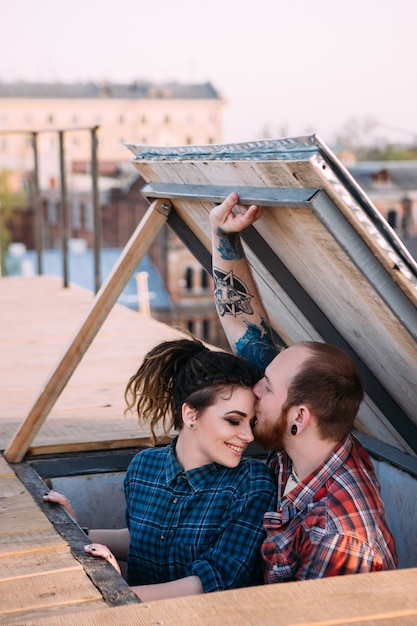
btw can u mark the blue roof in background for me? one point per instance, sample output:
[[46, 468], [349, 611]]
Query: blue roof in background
[[81, 272]]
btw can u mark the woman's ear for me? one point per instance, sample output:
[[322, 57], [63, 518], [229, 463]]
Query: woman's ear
[[189, 415]]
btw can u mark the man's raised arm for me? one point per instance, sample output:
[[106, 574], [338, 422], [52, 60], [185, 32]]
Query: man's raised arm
[[238, 303]]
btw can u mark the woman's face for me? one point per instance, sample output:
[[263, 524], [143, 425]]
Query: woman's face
[[223, 431]]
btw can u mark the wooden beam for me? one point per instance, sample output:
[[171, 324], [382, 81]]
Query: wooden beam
[[104, 301], [89, 446]]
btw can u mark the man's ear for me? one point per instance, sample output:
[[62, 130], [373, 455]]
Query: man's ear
[[303, 416], [189, 415], [299, 416]]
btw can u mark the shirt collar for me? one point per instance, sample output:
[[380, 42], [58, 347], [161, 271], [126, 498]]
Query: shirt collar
[[197, 477], [308, 488]]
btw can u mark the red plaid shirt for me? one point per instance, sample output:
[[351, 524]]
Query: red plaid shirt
[[331, 523]]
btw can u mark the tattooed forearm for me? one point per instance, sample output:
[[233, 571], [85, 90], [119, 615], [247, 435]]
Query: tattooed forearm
[[257, 346], [230, 294], [230, 246]]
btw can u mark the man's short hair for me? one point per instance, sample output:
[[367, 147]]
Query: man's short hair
[[329, 384]]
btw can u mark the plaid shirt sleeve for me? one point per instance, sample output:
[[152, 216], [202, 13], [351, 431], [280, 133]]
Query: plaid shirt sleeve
[[337, 555], [234, 559]]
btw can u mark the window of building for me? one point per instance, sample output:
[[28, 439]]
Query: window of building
[[189, 275], [74, 119], [204, 279], [144, 120], [167, 119], [392, 218], [89, 216], [121, 119], [189, 141], [50, 119], [76, 214], [205, 328], [191, 326], [51, 212]]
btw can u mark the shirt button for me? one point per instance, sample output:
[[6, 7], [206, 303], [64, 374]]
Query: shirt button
[[162, 537], [183, 476], [175, 500]]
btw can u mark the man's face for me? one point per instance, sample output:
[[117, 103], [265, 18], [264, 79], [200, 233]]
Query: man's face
[[271, 430]]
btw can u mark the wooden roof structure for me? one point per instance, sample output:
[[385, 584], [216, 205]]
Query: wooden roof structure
[[327, 264], [328, 268]]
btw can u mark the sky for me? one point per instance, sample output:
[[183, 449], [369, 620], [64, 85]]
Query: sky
[[284, 68]]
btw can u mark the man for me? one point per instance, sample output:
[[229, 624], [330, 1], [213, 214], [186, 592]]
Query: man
[[329, 518]]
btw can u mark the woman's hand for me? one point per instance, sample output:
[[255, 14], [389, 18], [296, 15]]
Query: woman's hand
[[59, 498], [99, 549]]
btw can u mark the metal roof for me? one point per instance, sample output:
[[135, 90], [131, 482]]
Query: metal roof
[[328, 266], [138, 90], [386, 175]]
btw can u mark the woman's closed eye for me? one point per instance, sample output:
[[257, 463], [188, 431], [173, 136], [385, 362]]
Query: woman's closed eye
[[233, 421]]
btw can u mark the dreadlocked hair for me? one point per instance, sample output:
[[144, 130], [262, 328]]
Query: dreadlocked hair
[[178, 371]]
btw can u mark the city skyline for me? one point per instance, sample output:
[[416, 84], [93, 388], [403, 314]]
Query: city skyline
[[283, 70]]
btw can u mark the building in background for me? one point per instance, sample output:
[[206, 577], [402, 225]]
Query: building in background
[[171, 114], [392, 187], [140, 112]]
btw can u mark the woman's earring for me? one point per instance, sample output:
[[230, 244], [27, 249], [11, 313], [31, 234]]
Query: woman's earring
[[294, 430], [192, 425]]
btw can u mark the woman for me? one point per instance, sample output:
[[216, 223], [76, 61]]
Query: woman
[[194, 508]]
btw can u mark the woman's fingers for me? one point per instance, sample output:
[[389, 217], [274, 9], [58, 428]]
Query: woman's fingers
[[102, 551]]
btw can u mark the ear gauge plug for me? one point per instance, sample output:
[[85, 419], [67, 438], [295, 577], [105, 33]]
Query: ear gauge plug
[[294, 430]]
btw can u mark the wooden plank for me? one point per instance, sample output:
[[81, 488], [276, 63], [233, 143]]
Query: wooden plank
[[38, 311], [59, 612], [103, 303], [57, 588], [18, 511], [19, 542], [37, 561], [380, 598], [91, 445], [5, 469], [37, 571]]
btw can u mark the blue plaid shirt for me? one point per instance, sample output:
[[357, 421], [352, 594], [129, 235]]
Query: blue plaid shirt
[[205, 522]]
